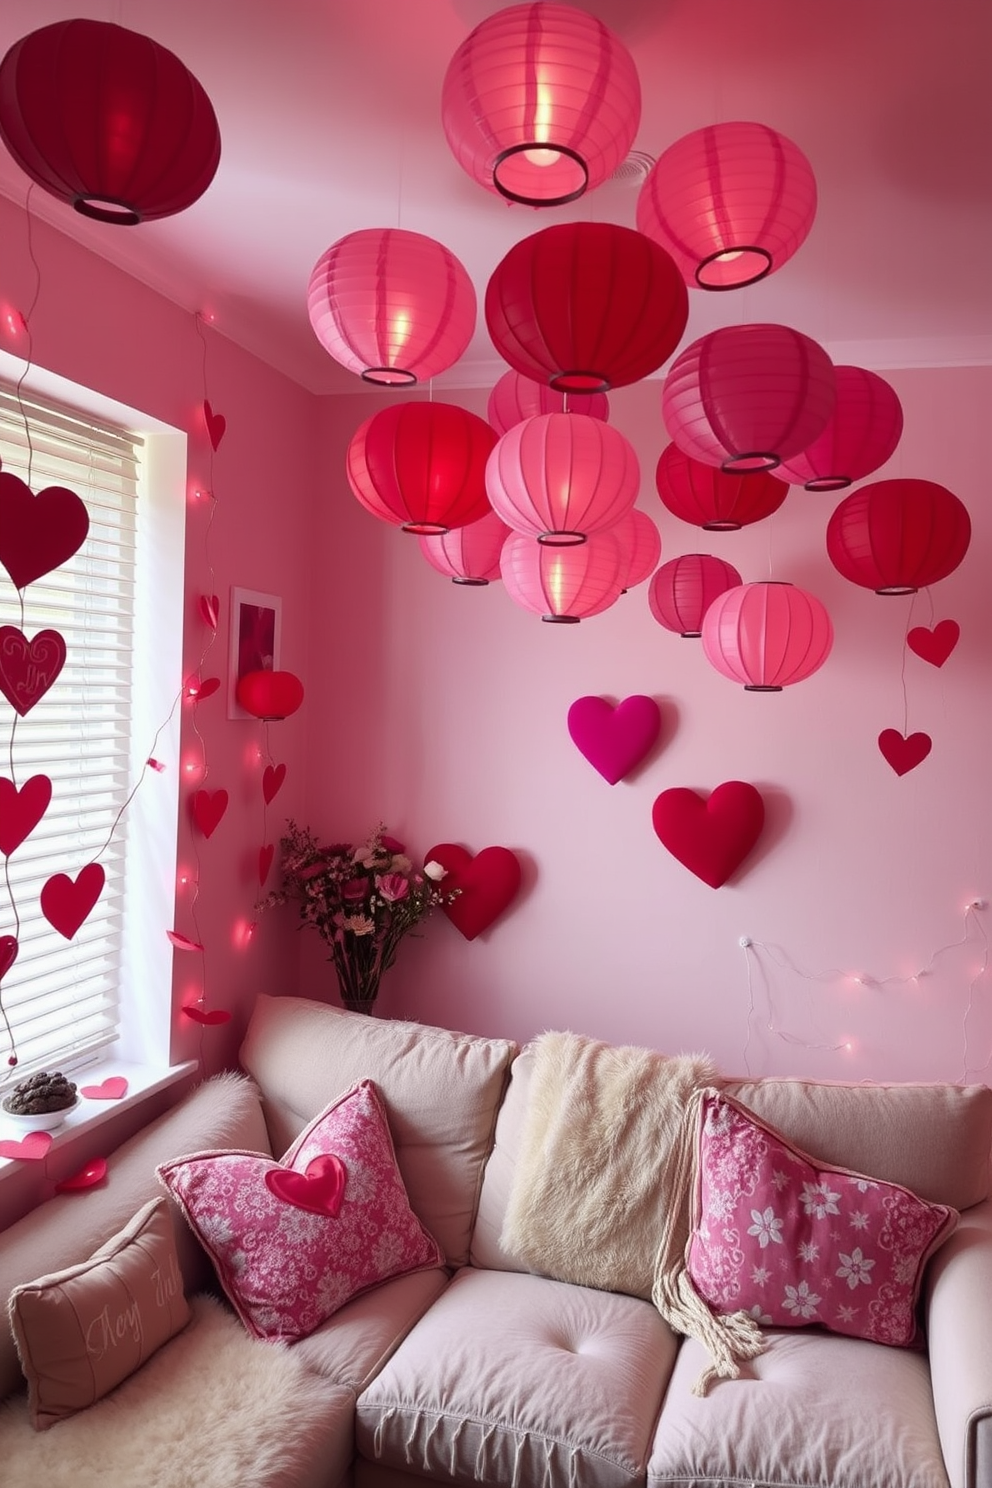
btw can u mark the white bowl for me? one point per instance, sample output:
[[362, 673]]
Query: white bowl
[[41, 1121]]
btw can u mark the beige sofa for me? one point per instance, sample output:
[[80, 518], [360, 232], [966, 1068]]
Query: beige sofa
[[481, 1372]]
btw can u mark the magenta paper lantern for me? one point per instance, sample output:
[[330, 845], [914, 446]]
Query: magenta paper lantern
[[716, 500], [107, 120], [540, 103], [561, 477], [896, 536], [421, 466], [586, 306], [731, 203], [748, 397], [515, 398], [682, 591], [861, 434], [395, 306], [468, 555], [767, 635], [639, 542], [562, 585]]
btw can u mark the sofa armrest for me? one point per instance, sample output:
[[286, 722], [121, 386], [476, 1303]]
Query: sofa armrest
[[959, 1328]]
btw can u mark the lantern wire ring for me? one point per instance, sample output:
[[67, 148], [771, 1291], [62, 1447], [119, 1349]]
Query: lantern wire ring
[[723, 256], [540, 201], [561, 539], [389, 376], [100, 209], [750, 460], [579, 382]]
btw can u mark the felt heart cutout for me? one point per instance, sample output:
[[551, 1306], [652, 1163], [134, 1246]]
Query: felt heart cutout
[[21, 810], [206, 688], [711, 837], [88, 1176], [28, 668], [32, 1148], [265, 861], [487, 882], [210, 1018], [66, 902], [216, 425], [210, 609], [208, 808], [272, 779], [936, 645], [8, 954], [614, 739], [38, 533], [182, 942], [110, 1089], [319, 1188], [904, 753]]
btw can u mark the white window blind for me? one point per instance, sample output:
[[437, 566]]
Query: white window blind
[[61, 996]]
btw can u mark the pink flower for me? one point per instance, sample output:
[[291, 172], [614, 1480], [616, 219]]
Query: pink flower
[[392, 887], [355, 890]]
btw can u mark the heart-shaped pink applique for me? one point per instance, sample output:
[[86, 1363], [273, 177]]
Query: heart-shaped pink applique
[[210, 609], [272, 779], [265, 861], [904, 753], [66, 902], [28, 667], [21, 810], [8, 954], [38, 533], [208, 808], [88, 1176], [209, 1017], [486, 882], [711, 837], [216, 425], [32, 1148], [614, 739], [112, 1088], [936, 645], [319, 1189]]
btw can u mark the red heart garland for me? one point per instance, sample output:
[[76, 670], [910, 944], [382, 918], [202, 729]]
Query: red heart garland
[[272, 779], [182, 942], [936, 645], [21, 810], [206, 688], [216, 425], [32, 1148], [710, 837], [66, 903], [319, 1189], [614, 739], [904, 752], [88, 1176], [110, 1089], [28, 668], [208, 808], [265, 861], [8, 954], [210, 609], [488, 881], [210, 1019], [38, 533]]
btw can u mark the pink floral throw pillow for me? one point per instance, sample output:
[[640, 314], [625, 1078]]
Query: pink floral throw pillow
[[293, 1241], [793, 1241]]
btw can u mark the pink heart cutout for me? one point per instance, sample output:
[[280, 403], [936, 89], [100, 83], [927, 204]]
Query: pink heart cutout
[[182, 942], [8, 954], [206, 688], [65, 902], [210, 609], [208, 808], [210, 1018], [265, 855], [32, 1148], [319, 1189], [904, 753], [710, 837], [614, 739], [486, 882], [88, 1176], [272, 779], [110, 1089], [216, 425], [38, 533], [28, 667], [21, 810], [936, 645]]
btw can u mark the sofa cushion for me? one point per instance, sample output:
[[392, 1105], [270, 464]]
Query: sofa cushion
[[352, 1346], [442, 1091]]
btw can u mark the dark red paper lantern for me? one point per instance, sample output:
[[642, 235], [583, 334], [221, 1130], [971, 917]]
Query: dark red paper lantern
[[108, 121], [586, 306], [422, 466], [682, 591], [716, 500], [861, 434], [515, 398], [562, 585], [767, 635], [269, 695], [897, 536], [468, 555]]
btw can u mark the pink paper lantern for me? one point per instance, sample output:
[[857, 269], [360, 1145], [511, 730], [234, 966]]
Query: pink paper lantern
[[860, 435], [468, 555], [562, 585], [561, 477], [731, 203], [515, 398], [897, 536], [421, 466], [747, 397], [716, 500], [392, 305], [269, 695], [682, 591], [767, 636], [640, 547], [540, 103]]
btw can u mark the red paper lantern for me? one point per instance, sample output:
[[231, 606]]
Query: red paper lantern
[[269, 695], [394, 306], [748, 397], [562, 585], [896, 536], [561, 477], [731, 203], [682, 591], [422, 466], [108, 121], [586, 306], [716, 500], [468, 555], [515, 398], [767, 635], [640, 547], [540, 103], [861, 434]]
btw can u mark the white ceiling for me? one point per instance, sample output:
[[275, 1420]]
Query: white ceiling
[[330, 121]]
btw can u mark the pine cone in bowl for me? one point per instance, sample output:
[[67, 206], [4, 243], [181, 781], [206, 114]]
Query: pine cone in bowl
[[40, 1094]]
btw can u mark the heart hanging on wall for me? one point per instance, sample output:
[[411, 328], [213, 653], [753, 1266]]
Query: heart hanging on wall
[[216, 425], [319, 1189], [487, 882], [208, 807], [210, 609], [21, 810], [711, 837], [936, 645], [28, 667], [614, 739], [904, 752], [8, 954], [66, 902], [272, 779], [38, 533], [265, 855], [210, 1018]]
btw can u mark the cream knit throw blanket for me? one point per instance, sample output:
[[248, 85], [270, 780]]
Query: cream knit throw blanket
[[602, 1189]]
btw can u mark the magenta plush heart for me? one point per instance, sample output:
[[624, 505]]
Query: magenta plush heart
[[28, 667], [614, 739], [319, 1189], [21, 810], [65, 902], [486, 882], [38, 533], [711, 837], [936, 645], [904, 752]]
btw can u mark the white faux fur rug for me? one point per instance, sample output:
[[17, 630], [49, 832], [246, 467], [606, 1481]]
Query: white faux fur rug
[[214, 1408]]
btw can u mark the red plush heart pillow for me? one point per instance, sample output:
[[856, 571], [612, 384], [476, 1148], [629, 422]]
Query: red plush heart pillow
[[710, 837], [486, 884]]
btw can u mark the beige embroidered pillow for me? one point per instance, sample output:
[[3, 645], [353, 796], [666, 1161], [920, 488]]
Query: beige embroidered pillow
[[80, 1331]]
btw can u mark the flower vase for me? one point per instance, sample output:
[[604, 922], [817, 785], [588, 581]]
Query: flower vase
[[358, 994]]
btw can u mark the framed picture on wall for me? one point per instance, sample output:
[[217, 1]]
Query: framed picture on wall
[[256, 624]]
